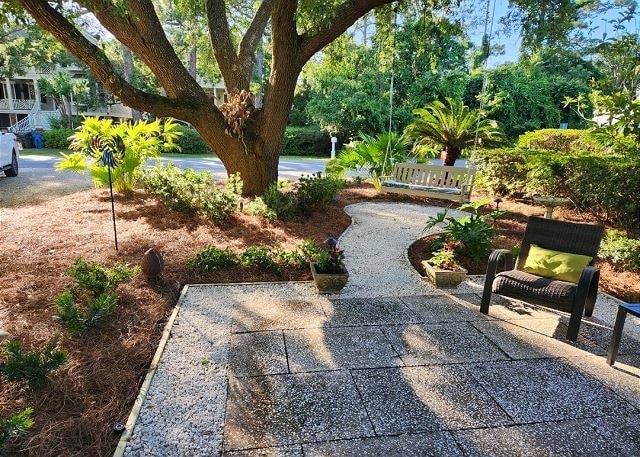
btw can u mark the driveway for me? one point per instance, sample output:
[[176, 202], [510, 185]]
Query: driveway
[[38, 181]]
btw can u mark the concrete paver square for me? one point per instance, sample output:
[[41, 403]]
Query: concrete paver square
[[257, 353], [285, 451], [601, 335], [546, 389], [446, 308], [334, 348], [277, 315], [416, 399], [555, 439], [278, 410], [452, 342], [511, 309], [368, 311], [521, 343], [620, 431], [424, 444]]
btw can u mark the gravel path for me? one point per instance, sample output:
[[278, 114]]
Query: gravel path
[[257, 366], [37, 185]]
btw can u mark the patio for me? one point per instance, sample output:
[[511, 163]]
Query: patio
[[389, 367]]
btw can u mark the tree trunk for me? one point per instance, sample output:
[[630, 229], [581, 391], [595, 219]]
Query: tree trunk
[[451, 155]]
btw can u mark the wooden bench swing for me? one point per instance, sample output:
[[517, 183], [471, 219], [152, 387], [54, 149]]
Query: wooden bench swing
[[435, 181]]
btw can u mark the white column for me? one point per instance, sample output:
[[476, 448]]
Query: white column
[[9, 92], [36, 91]]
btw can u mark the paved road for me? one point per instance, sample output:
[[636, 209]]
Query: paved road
[[289, 168]]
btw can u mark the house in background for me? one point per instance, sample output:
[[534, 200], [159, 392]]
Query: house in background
[[24, 108]]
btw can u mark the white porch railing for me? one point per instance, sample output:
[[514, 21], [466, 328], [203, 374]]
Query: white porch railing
[[4, 103], [23, 104]]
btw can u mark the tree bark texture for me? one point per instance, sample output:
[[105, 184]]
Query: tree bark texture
[[136, 25]]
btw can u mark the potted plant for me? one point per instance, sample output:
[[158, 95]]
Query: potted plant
[[442, 269], [328, 270]]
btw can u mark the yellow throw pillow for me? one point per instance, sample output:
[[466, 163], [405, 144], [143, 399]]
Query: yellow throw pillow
[[555, 265]]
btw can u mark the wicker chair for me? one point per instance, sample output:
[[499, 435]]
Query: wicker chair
[[557, 235]]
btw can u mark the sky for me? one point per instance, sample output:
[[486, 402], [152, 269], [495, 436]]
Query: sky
[[512, 43]]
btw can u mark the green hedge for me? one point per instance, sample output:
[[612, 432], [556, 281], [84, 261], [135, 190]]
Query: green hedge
[[561, 140], [190, 142], [607, 187], [306, 141], [57, 138]]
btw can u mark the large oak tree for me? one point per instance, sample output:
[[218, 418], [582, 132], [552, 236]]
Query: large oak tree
[[298, 30]]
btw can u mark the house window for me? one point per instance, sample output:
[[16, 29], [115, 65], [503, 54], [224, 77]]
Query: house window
[[3, 91], [24, 91]]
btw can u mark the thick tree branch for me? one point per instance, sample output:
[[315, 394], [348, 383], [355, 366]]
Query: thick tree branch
[[73, 39], [139, 28], [223, 49], [255, 31], [345, 16]]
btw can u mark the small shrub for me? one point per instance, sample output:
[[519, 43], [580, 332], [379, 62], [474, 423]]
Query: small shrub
[[316, 192], [259, 257], [15, 425], [190, 142], [330, 260], [305, 141], [34, 366], [309, 251], [257, 207], [213, 258], [58, 138], [445, 258], [190, 191], [93, 295], [622, 252], [559, 140], [283, 204]]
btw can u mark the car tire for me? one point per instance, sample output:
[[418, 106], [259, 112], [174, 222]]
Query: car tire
[[12, 171]]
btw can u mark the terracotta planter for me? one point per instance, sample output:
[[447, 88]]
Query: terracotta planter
[[444, 278], [328, 283]]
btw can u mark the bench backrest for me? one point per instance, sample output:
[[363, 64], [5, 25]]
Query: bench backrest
[[434, 175]]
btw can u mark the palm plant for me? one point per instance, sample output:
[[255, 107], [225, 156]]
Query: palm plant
[[452, 127], [376, 155]]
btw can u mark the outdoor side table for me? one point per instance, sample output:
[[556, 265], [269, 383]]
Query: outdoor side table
[[623, 310]]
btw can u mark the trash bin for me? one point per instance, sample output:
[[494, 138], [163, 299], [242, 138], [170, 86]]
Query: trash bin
[[38, 140]]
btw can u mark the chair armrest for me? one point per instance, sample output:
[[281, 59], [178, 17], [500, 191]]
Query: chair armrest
[[492, 267], [588, 287]]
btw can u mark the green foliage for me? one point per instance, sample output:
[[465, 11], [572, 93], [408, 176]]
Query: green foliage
[[31, 366], [311, 193], [605, 186], [257, 207], [445, 258], [213, 258], [453, 127], [260, 257], [94, 277], [560, 140], [15, 425], [129, 145], [189, 142], [190, 191], [330, 260], [622, 252], [93, 295], [376, 155], [305, 141], [472, 234], [58, 138]]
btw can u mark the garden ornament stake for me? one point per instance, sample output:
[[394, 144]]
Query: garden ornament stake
[[109, 151]]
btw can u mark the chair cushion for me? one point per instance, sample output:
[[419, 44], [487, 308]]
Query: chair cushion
[[562, 266], [529, 287], [404, 185]]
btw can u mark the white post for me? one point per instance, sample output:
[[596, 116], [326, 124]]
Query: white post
[[9, 93], [36, 92], [334, 140]]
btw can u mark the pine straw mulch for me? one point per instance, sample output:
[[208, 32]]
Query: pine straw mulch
[[510, 230], [75, 411]]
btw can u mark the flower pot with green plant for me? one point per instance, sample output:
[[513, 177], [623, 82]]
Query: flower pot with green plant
[[442, 269], [328, 270]]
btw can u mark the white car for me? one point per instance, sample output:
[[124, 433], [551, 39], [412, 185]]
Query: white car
[[9, 154]]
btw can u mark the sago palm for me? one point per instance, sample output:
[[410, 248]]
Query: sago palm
[[452, 127]]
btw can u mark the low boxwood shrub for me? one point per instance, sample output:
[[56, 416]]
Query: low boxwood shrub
[[560, 140], [190, 191], [31, 366], [213, 258], [57, 138], [306, 141], [622, 252], [190, 142], [17, 424], [262, 258]]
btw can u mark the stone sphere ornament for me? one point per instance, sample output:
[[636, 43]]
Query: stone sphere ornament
[[152, 263]]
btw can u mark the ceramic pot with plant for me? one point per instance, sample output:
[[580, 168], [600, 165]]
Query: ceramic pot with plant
[[442, 269], [328, 270]]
